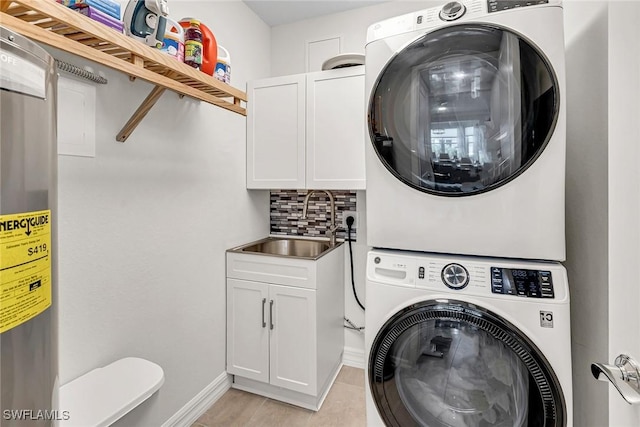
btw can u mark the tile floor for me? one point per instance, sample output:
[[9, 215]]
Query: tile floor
[[343, 407]]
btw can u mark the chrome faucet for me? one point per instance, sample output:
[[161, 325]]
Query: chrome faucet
[[331, 230]]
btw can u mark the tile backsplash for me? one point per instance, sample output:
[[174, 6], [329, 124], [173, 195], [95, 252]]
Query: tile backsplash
[[286, 210]]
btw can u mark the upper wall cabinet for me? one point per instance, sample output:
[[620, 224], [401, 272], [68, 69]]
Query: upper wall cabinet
[[307, 131]]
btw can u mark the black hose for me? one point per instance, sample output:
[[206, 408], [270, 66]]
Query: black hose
[[353, 281]]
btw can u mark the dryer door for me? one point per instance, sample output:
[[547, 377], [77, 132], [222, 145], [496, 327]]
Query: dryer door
[[452, 363], [463, 109]]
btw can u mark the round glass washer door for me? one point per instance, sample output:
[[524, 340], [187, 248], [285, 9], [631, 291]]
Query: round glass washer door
[[463, 109], [453, 364]]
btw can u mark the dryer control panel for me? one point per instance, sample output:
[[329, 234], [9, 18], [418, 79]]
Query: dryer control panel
[[522, 282]]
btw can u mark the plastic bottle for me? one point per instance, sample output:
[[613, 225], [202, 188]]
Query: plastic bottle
[[193, 45], [209, 46], [223, 66], [173, 43]]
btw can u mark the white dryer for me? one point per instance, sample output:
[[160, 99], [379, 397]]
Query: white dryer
[[466, 117], [455, 341]]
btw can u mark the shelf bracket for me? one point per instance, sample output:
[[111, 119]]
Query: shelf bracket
[[138, 62], [140, 113]]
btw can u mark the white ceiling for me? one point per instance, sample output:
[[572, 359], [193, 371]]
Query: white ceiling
[[287, 11]]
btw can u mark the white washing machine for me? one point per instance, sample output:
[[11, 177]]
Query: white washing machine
[[455, 341], [466, 116]]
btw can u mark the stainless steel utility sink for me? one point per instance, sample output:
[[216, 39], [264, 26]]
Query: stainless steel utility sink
[[287, 247]]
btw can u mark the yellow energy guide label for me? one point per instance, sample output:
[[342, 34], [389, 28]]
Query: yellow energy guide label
[[25, 267]]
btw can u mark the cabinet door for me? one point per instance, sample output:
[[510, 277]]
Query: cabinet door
[[336, 129], [276, 133], [293, 339], [248, 329]]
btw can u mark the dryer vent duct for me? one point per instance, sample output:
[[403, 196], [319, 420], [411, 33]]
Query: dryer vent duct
[[343, 60]]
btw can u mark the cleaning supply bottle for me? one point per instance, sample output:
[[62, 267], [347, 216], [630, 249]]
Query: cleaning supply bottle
[[209, 47], [193, 45], [173, 43], [223, 66]]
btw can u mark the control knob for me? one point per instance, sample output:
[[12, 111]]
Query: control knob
[[455, 276], [452, 11]]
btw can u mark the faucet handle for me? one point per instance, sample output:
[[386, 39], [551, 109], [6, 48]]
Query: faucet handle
[[333, 228]]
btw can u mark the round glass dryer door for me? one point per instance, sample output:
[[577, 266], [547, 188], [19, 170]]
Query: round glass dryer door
[[454, 364], [463, 109]]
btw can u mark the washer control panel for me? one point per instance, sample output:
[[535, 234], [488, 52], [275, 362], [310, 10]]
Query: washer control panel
[[452, 11], [498, 5], [455, 276], [534, 281], [521, 282]]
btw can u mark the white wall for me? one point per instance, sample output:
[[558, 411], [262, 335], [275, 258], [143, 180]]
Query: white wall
[[354, 340], [603, 198], [624, 195], [586, 202], [144, 225]]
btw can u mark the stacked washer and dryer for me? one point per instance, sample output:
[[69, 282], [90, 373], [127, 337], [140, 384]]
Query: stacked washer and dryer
[[467, 320]]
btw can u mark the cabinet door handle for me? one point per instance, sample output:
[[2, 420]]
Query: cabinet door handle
[[271, 314], [264, 301]]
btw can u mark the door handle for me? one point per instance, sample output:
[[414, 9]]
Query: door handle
[[624, 375], [271, 314], [264, 301]]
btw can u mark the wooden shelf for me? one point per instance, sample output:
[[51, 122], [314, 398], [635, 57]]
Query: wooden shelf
[[53, 24]]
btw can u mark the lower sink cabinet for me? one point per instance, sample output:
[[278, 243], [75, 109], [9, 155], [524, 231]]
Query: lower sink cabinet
[[285, 340], [272, 334]]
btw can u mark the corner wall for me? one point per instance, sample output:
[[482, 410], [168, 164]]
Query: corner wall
[[144, 225], [587, 217], [624, 195]]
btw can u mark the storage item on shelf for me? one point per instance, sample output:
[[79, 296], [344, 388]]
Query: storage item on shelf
[[110, 7], [209, 46], [55, 25], [146, 20], [100, 17], [193, 45], [223, 66], [173, 42]]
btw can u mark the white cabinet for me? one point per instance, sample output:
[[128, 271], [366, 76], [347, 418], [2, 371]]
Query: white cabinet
[[247, 328], [335, 133], [272, 334], [275, 133], [293, 339], [285, 337], [307, 131]]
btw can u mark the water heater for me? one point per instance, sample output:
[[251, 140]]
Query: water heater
[[28, 211]]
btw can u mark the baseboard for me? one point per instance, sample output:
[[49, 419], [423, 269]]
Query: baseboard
[[353, 357], [197, 406]]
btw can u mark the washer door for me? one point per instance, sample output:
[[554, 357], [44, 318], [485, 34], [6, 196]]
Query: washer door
[[452, 363], [463, 109]]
